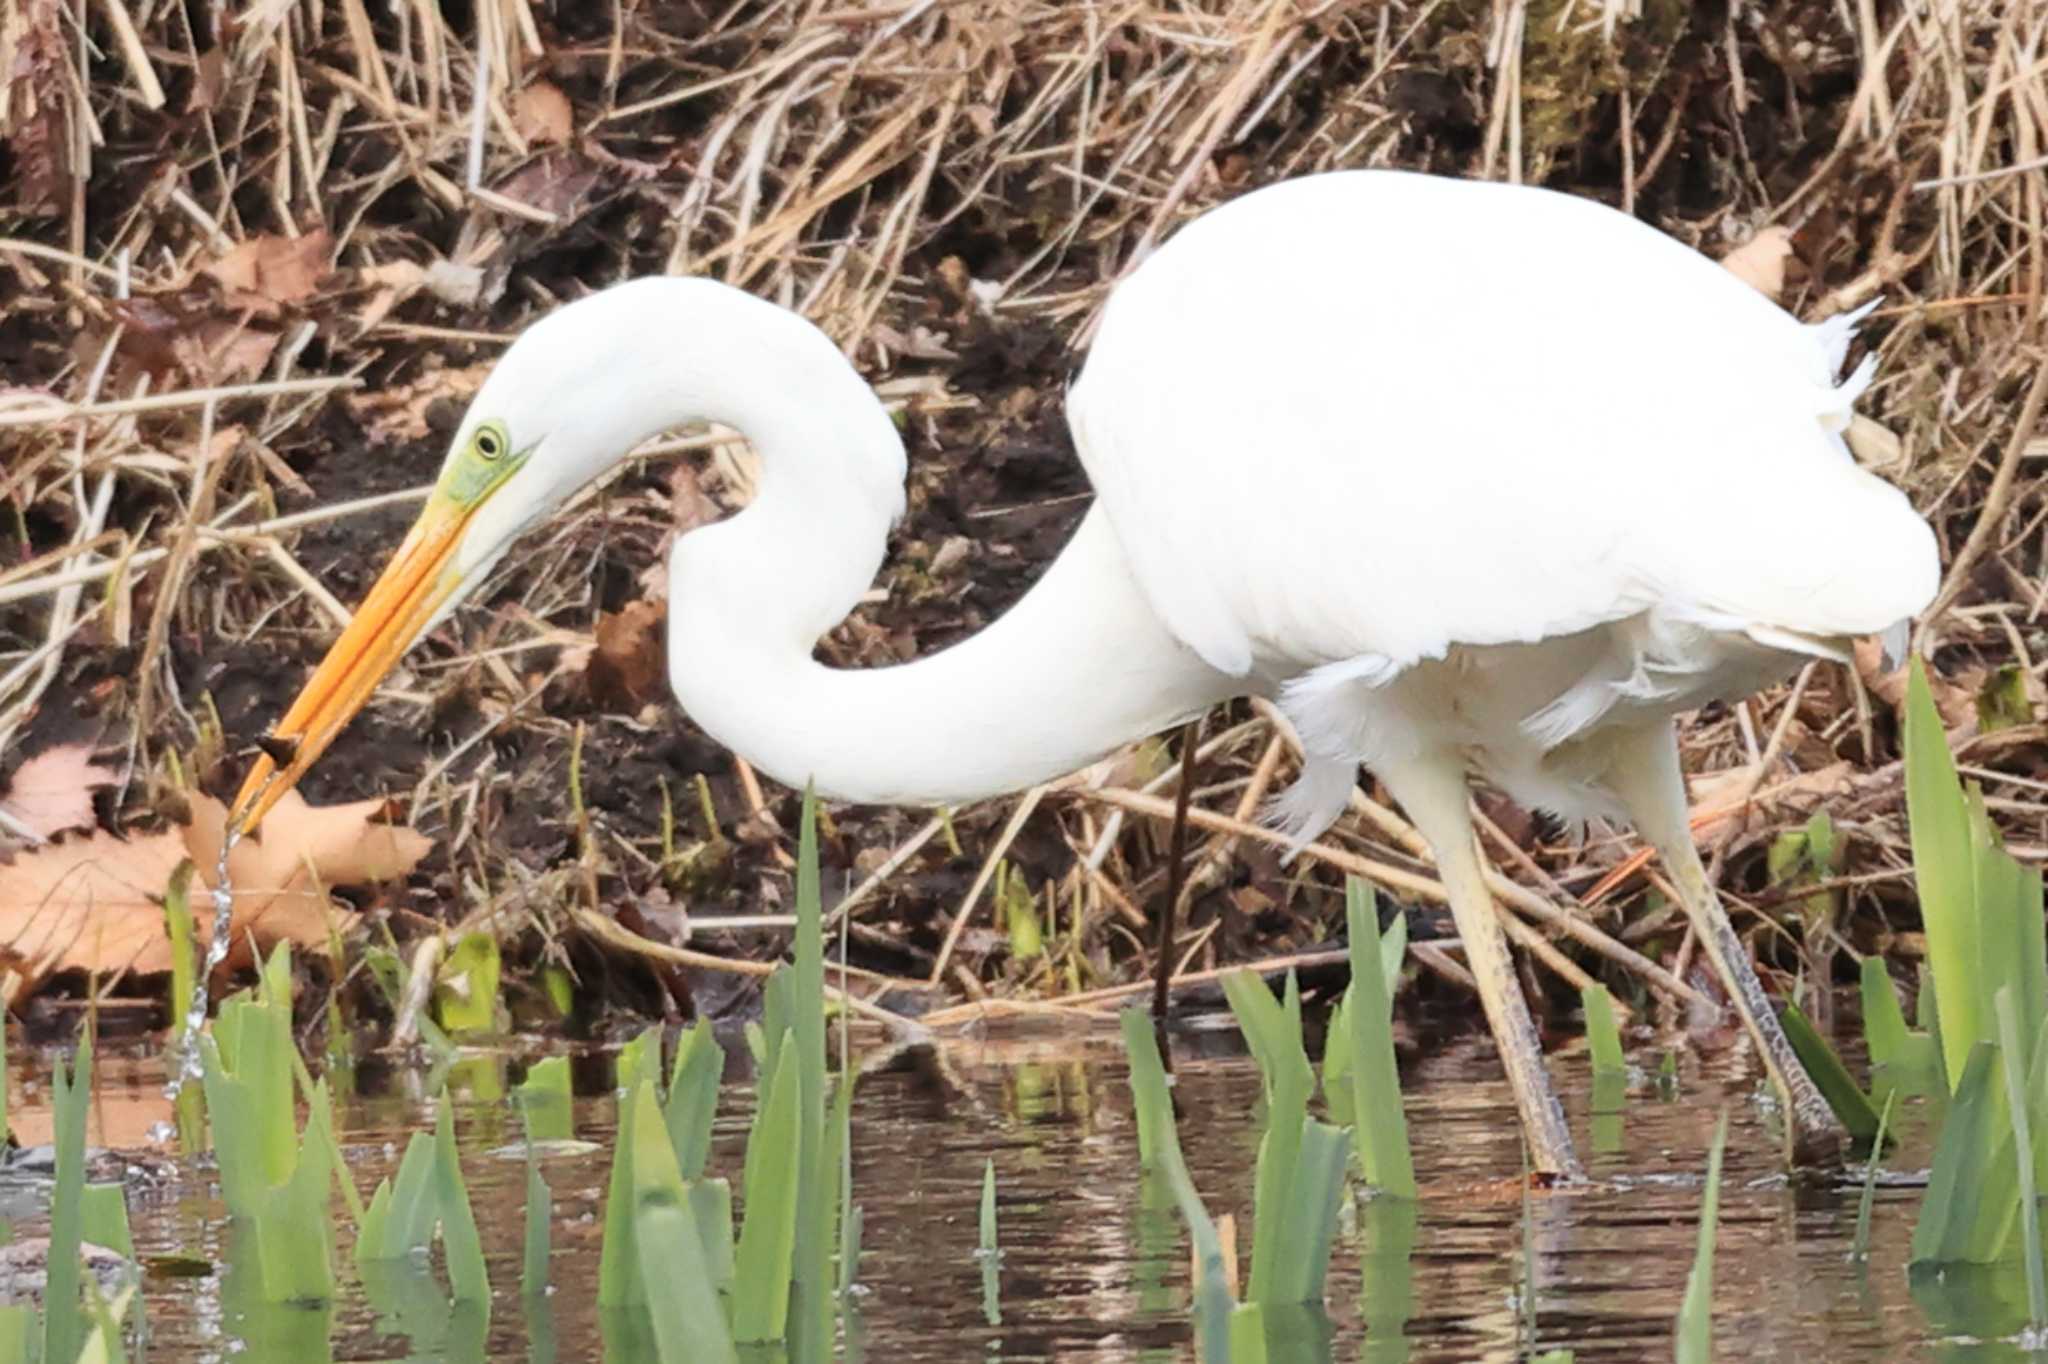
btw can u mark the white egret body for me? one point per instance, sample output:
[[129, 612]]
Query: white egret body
[[1464, 475]]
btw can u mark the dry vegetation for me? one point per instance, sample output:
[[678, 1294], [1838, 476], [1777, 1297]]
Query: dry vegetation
[[256, 257]]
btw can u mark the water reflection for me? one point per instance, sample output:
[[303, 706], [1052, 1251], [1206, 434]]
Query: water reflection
[[1095, 1264]]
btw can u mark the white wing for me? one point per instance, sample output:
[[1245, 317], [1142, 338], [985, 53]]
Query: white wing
[[1357, 418]]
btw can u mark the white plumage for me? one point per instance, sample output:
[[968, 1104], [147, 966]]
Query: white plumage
[[1464, 474], [1361, 434]]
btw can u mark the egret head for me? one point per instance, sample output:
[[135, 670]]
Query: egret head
[[554, 410]]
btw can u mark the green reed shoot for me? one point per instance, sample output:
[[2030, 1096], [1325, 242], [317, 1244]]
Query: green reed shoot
[[766, 1258], [1859, 1247], [1851, 1106], [545, 1102], [64, 1325], [466, 986], [537, 1248], [1694, 1339], [1159, 1155], [689, 1324], [1299, 1178], [103, 1218], [639, 1059], [693, 1097], [1981, 908], [1983, 913], [18, 1333], [777, 1271], [988, 1252], [2025, 1154], [1603, 1034], [1377, 1116], [189, 1107]]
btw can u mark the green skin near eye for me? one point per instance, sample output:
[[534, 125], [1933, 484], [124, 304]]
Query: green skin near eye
[[485, 462]]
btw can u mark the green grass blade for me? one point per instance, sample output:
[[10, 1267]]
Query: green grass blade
[[414, 1208], [1884, 1021], [103, 1217], [693, 1097], [764, 1266], [1273, 1031], [639, 1059], [540, 1216], [1382, 1125], [988, 1207], [849, 1214], [63, 1323], [1156, 1131], [1603, 1035], [184, 969], [1386, 1270], [817, 1170], [468, 1280], [1695, 1334], [988, 1253], [546, 1102], [1850, 1104], [1944, 868], [711, 1209], [1859, 1247], [1248, 1335], [1308, 1223], [18, 1333], [618, 1267], [1959, 1220], [689, 1325], [2012, 1050], [466, 987]]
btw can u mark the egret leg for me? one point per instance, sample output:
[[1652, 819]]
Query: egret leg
[[1431, 788], [1646, 778]]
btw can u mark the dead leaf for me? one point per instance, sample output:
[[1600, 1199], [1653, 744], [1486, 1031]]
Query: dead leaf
[[1760, 262], [52, 791], [269, 271], [628, 665], [1955, 698], [399, 412], [559, 182], [95, 903], [542, 114]]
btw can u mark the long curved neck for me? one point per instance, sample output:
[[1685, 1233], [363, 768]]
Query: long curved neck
[[1076, 668]]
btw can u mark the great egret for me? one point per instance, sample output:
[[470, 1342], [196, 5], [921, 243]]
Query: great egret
[[1465, 475]]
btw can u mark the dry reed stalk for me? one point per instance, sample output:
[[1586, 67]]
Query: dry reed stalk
[[910, 173]]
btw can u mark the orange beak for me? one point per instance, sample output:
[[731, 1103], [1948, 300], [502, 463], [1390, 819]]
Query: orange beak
[[419, 578]]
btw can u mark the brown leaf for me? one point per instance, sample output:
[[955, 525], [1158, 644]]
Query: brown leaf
[[1760, 262], [559, 182], [1955, 698], [95, 903], [628, 666], [399, 412], [52, 791], [266, 272], [542, 114]]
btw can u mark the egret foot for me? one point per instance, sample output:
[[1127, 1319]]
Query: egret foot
[[1646, 779], [1431, 788]]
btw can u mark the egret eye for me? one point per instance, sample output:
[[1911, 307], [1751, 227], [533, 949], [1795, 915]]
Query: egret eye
[[489, 442]]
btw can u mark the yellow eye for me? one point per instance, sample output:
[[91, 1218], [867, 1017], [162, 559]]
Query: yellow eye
[[489, 442]]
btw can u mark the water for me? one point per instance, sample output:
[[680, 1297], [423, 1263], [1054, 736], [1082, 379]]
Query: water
[[1088, 1272]]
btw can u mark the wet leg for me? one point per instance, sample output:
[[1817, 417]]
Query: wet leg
[[1431, 789], [1645, 777]]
